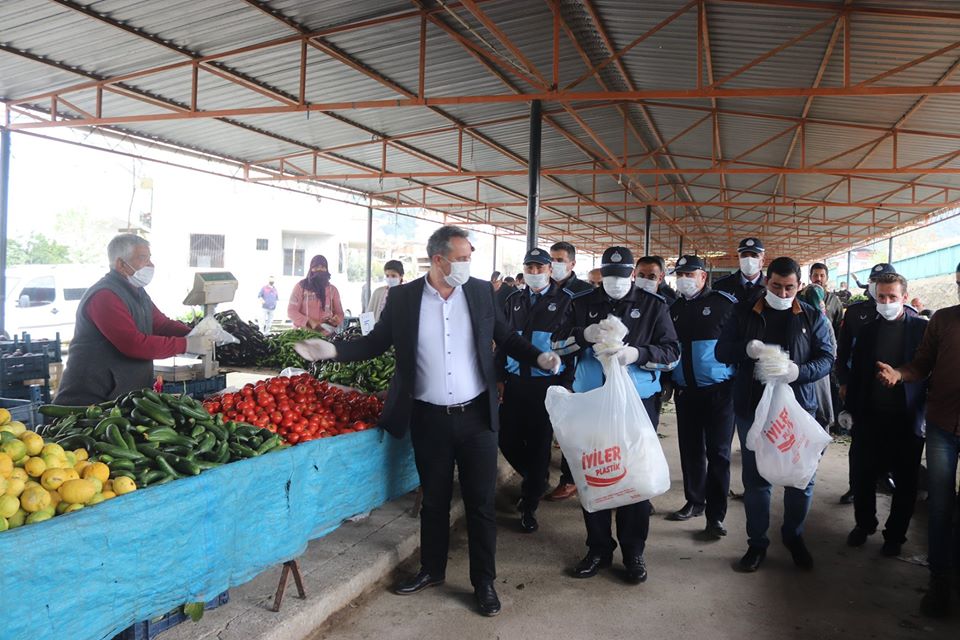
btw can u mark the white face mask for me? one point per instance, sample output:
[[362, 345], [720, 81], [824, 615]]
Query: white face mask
[[141, 277], [777, 303], [536, 281], [749, 266], [392, 281], [872, 290], [647, 285], [890, 310], [688, 287], [459, 273], [617, 287], [558, 271]]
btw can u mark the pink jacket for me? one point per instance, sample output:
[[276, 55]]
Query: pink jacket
[[304, 308]]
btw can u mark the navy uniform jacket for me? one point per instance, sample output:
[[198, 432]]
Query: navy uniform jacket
[[552, 314], [575, 287], [864, 370], [699, 323], [649, 329], [733, 284], [811, 348]]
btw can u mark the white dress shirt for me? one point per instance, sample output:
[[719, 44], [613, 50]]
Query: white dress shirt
[[448, 369]]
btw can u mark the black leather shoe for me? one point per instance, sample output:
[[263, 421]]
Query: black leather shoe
[[417, 583], [528, 522], [487, 601], [591, 563], [636, 569], [891, 549], [688, 511], [858, 536], [715, 529], [752, 559], [798, 549], [847, 498]]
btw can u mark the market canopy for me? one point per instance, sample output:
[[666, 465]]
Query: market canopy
[[816, 125]]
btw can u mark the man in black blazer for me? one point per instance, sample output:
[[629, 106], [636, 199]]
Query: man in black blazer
[[443, 327]]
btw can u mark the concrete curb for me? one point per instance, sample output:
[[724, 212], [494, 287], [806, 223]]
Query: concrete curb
[[336, 570]]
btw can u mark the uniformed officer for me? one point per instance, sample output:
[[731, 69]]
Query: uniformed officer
[[526, 435], [649, 348], [747, 283], [856, 317], [704, 396], [563, 257]]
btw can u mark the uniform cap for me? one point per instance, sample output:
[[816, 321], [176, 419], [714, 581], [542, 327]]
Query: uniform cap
[[750, 244], [536, 256], [689, 264], [617, 261]]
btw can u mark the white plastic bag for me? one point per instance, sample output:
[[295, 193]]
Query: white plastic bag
[[607, 437], [787, 440], [210, 327]]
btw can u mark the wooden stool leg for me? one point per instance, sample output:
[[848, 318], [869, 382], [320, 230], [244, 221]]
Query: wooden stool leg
[[290, 566]]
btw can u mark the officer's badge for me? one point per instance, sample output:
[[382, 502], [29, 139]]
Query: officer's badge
[[706, 311], [516, 308], [863, 316], [749, 243], [616, 257], [593, 314], [878, 268], [682, 261], [635, 313], [804, 329], [552, 306]]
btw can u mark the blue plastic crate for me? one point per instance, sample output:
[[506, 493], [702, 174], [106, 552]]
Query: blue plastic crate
[[149, 629], [24, 410], [51, 348], [198, 389]]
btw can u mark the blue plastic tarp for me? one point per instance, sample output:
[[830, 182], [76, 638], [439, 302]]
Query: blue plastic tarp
[[93, 573]]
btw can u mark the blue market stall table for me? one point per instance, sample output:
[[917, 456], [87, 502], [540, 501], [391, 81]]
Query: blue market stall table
[[93, 573]]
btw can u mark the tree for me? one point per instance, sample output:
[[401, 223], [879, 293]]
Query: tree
[[37, 249]]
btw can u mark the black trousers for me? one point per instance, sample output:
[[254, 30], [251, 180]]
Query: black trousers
[[526, 435], [705, 428], [633, 522], [465, 439], [886, 444]]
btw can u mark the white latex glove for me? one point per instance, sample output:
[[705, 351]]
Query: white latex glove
[[793, 372], [199, 344], [315, 349], [754, 349], [593, 333], [845, 420], [549, 361], [624, 354]]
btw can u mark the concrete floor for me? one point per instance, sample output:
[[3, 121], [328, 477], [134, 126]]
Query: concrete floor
[[692, 592]]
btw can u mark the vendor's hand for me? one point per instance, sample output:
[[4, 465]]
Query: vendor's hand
[[754, 349], [593, 333], [888, 375], [315, 349], [549, 361], [199, 345]]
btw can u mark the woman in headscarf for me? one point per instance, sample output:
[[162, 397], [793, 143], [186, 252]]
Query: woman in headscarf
[[315, 303], [815, 296]]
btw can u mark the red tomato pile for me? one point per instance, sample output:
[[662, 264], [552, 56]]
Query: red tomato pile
[[300, 408]]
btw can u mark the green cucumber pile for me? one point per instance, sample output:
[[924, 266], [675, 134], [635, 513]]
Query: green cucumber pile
[[153, 438], [369, 376]]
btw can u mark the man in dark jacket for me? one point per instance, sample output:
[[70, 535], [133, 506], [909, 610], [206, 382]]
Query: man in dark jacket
[[802, 331], [704, 396], [526, 435], [747, 283], [888, 423], [445, 393]]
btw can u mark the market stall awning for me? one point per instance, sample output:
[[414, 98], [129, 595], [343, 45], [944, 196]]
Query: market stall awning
[[817, 125]]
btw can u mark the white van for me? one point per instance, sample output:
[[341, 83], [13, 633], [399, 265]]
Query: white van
[[42, 299]]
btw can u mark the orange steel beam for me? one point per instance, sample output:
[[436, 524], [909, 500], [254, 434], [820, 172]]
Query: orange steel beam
[[502, 37], [819, 6], [865, 204]]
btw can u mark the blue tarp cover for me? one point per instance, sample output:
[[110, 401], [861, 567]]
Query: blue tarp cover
[[92, 573]]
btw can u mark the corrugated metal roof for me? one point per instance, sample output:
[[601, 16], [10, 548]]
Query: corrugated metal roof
[[45, 47]]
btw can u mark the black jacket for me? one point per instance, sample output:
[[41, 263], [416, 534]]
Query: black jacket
[[864, 370], [399, 326], [733, 284], [552, 314]]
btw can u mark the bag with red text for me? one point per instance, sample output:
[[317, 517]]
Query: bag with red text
[[787, 440], [607, 437]]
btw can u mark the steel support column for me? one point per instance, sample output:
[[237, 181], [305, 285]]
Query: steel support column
[[494, 267], [849, 253], [680, 248], [647, 219], [369, 289], [4, 203], [890, 250], [533, 173]]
